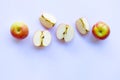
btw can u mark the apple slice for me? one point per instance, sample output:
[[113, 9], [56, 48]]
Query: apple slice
[[82, 26], [65, 32], [47, 20], [42, 38]]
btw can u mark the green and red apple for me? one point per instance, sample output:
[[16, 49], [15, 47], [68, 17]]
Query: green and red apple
[[101, 30], [19, 30]]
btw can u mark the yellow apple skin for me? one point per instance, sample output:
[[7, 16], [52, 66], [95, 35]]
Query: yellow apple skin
[[19, 30], [101, 30]]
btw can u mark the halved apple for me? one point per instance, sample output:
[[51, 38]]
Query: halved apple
[[42, 38], [65, 32]]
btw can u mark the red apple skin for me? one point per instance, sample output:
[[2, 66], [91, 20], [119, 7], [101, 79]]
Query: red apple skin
[[101, 30], [19, 30]]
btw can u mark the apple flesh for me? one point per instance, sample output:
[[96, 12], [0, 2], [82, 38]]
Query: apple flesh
[[65, 32], [42, 38], [101, 30], [47, 20], [82, 26], [19, 30]]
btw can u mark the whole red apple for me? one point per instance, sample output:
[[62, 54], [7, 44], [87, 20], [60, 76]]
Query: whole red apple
[[19, 30], [101, 30]]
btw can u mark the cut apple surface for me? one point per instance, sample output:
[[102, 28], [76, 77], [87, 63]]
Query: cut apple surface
[[47, 20], [82, 26], [65, 32], [42, 38]]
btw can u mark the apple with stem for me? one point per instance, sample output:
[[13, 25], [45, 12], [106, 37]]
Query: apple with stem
[[19, 30], [101, 30]]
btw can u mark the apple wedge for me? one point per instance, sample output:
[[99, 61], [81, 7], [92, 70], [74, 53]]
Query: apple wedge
[[47, 20], [82, 26], [42, 38], [65, 32]]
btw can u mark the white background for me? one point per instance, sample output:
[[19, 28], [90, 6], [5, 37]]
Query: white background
[[83, 58]]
